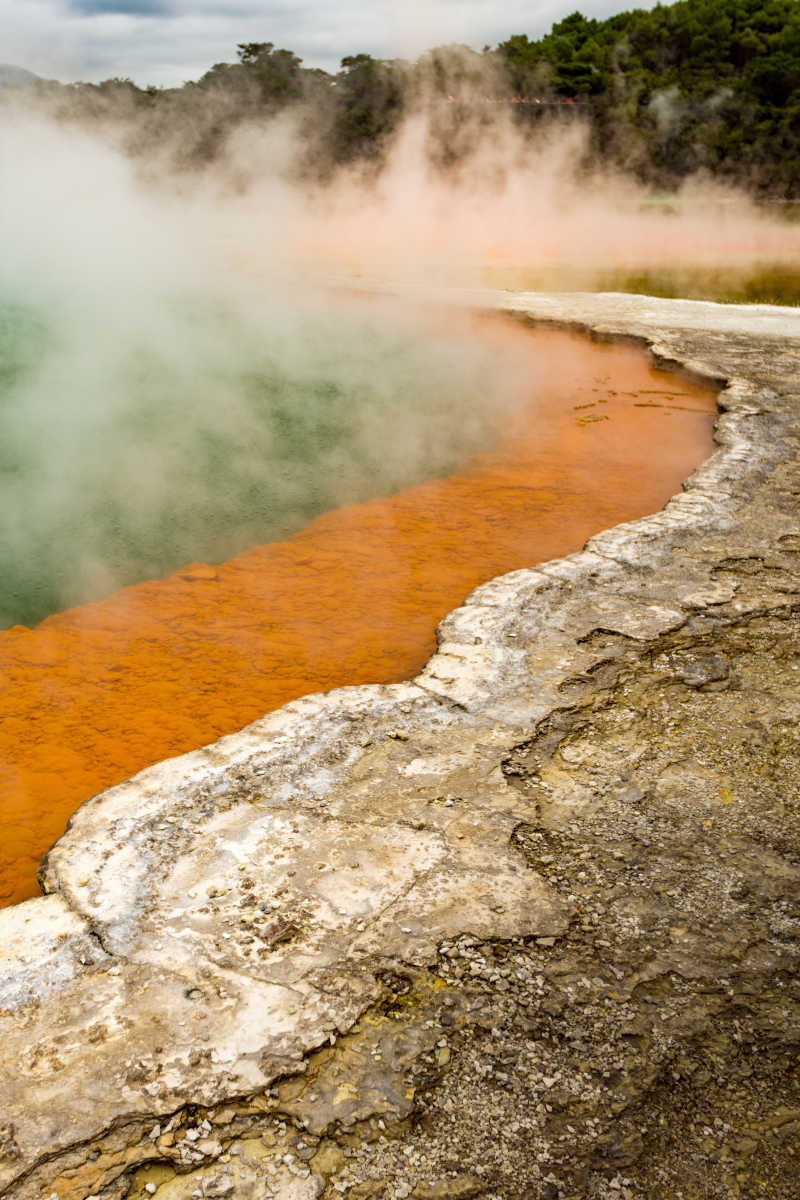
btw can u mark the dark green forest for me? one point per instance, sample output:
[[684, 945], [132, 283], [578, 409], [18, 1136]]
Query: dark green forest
[[711, 84], [699, 86]]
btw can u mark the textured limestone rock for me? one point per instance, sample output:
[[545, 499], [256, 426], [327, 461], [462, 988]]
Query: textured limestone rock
[[45, 945], [527, 925]]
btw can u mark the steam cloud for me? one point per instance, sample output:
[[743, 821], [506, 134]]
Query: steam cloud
[[178, 378]]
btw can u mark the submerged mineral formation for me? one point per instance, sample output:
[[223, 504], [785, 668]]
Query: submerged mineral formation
[[526, 926]]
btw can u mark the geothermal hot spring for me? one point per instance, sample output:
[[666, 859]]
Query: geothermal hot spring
[[294, 514], [226, 482]]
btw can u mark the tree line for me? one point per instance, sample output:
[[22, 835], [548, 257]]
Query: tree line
[[699, 85]]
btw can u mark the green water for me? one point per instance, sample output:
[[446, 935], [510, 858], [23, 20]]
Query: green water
[[140, 433], [129, 447]]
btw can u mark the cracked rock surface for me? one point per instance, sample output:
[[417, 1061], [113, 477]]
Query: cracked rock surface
[[525, 927]]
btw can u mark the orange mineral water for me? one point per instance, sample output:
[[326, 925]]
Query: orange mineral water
[[95, 693]]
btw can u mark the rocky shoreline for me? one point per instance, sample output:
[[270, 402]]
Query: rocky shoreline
[[526, 926]]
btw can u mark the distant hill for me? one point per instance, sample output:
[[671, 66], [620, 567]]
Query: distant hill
[[10, 75]]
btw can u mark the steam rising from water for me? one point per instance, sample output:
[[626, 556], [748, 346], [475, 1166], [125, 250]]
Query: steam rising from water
[[512, 203], [161, 402], [177, 379]]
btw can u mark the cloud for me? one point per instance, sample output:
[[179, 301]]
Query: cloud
[[169, 41], [133, 8]]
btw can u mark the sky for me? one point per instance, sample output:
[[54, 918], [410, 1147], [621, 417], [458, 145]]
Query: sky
[[167, 42]]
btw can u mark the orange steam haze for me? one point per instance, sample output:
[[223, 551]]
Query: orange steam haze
[[528, 203], [460, 190]]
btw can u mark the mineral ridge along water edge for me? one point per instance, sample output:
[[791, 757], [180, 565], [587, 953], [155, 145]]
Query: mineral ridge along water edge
[[94, 694]]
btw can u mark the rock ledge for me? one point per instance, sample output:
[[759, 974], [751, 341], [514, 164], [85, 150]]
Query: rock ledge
[[526, 926]]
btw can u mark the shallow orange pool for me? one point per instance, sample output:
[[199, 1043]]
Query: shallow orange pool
[[94, 694]]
